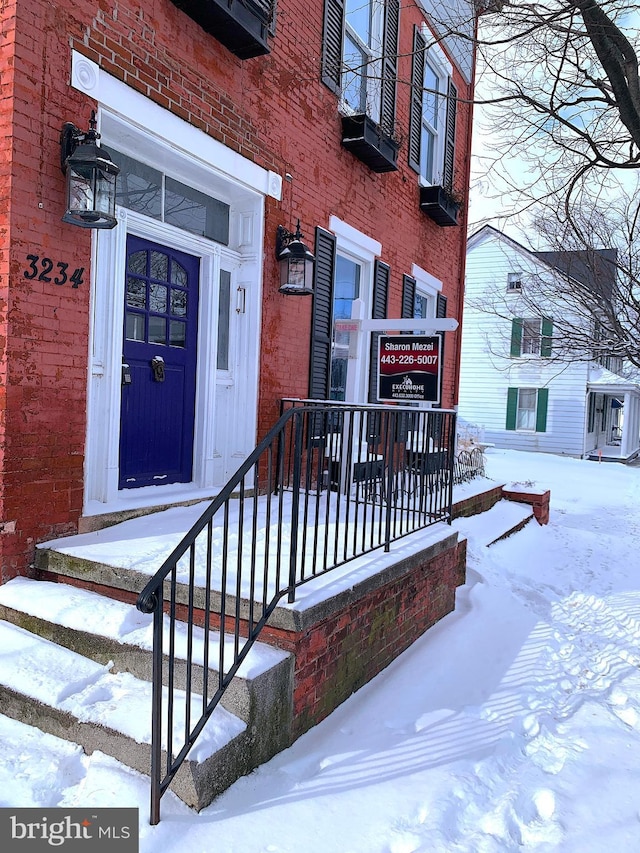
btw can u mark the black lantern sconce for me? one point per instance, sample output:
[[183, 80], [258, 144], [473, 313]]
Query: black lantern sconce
[[296, 263], [91, 178]]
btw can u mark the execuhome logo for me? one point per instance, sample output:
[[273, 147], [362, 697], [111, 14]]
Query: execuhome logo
[[33, 830]]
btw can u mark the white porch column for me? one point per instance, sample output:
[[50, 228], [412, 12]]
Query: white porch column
[[629, 426], [634, 435]]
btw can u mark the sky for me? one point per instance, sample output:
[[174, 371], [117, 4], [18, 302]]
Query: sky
[[513, 724]]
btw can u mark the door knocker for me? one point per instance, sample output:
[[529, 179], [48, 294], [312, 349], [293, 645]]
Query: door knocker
[[157, 365]]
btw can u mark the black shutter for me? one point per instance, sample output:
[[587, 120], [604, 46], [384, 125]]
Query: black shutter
[[441, 312], [321, 319], [332, 35], [381, 275], [389, 65], [450, 138], [417, 86], [408, 297]]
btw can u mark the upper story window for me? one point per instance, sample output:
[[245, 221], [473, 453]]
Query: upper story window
[[359, 56], [514, 282], [432, 119], [531, 336]]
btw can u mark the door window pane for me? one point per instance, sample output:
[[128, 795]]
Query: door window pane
[[178, 274], [158, 298], [177, 333], [178, 302], [157, 330], [136, 293], [224, 316], [135, 327], [159, 266], [137, 263]]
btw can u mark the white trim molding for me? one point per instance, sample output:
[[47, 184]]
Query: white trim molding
[[121, 100]]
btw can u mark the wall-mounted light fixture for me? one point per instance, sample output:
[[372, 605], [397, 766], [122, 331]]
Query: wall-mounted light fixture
[[91, 178], [296, 263]]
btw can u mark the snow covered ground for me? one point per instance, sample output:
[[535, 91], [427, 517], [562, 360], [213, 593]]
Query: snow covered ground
[[514, 724]]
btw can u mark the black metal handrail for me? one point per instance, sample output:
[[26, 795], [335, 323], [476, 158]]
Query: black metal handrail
[[328, 483]]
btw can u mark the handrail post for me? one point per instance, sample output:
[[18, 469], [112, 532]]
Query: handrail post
[[156, 709], [298, 426], [390, 448]]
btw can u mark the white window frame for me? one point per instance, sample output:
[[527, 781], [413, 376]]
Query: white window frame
[[371, 82], [531, 341], [436, 60], [363, 250], [514, 282], [520, 409], [427, 286]]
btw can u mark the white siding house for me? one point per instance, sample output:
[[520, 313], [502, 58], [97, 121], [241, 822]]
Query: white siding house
[[514, 387]]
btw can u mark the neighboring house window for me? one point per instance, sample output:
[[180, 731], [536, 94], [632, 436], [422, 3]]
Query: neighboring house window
[[514, 282], [432, 119], [531, 336], [527, 409], [360, 54]]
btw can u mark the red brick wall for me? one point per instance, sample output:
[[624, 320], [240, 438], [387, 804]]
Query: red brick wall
[[337, 656], [273, 110]]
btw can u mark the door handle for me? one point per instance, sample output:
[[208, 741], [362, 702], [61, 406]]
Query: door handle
[[157, 365], [126, 374]]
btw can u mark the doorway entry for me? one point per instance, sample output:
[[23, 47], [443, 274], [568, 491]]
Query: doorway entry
[[159, 359]]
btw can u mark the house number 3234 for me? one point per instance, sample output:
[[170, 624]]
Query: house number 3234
[[44, 269]]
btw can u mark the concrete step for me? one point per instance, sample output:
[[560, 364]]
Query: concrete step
[[503, 519], [104, 630], [70, 696], [114, 638]]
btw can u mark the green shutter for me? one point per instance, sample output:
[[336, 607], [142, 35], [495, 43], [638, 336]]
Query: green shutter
[[512, 407], [547, 333], [417, 86], [389, 66], [450, 138], [332, 36], [322, 316], [541, 413], [516, 336]]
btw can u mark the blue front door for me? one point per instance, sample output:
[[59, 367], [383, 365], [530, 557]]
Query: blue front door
[[159, 365]]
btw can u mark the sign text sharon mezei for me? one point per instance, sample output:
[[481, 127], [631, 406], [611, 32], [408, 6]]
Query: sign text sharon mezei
[[409, 368]]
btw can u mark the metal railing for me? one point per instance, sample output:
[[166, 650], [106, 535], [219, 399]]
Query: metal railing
[[329, 483]]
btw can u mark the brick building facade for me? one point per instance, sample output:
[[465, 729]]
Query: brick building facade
[[219, 140]]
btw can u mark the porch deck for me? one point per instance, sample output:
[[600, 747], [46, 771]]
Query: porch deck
[[611, 453]]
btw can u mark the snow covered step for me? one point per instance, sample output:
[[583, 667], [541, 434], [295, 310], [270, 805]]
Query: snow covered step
[[106, 630], [70, 696], [503, 519]]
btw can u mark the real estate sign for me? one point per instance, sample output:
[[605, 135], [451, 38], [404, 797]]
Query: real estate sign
[[409, 368]]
